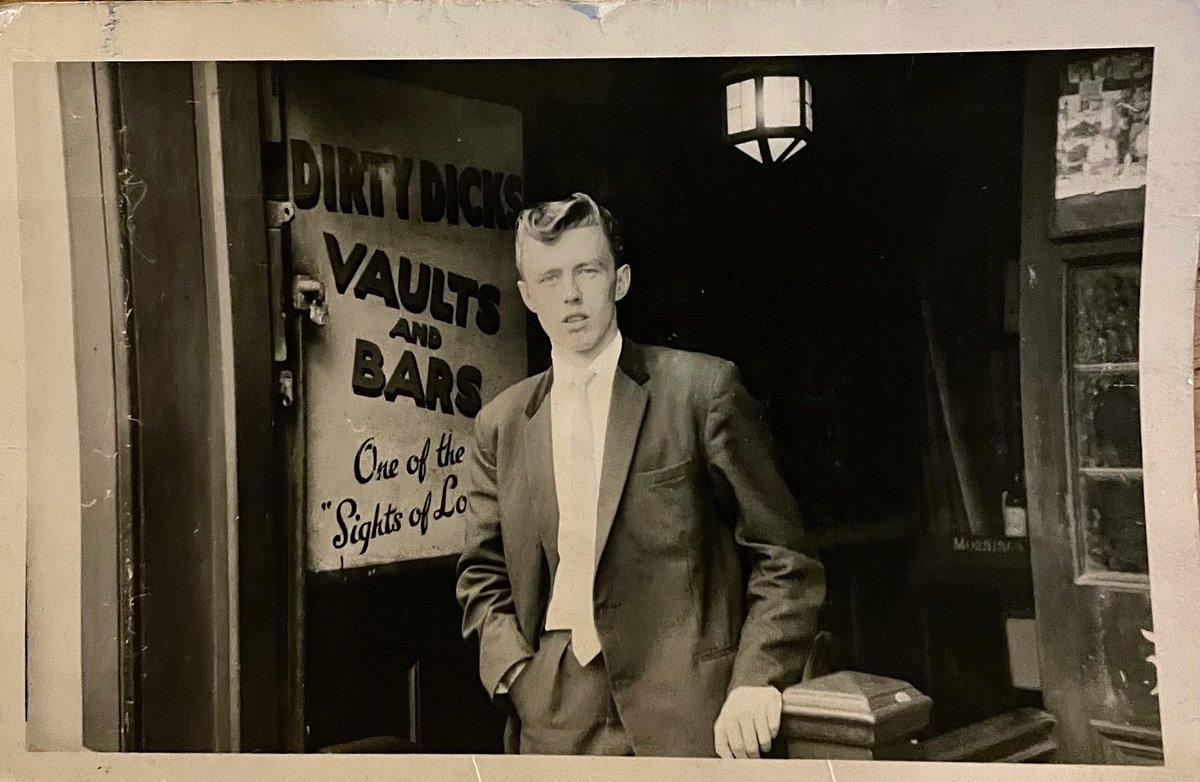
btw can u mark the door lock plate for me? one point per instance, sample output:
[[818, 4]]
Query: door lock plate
[[308, 294]]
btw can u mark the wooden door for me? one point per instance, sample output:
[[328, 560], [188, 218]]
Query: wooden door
[[1079, 389], [397, 203]]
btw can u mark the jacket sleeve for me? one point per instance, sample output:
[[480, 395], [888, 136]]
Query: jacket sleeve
[[786, 582], [483, 587]]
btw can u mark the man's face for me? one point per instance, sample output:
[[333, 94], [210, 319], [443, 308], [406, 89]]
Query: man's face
[[572, 286]]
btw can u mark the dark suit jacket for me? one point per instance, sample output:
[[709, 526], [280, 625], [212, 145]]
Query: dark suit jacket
[[702, 583]]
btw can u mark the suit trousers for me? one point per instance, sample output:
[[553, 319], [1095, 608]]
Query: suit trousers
[[566, 708]]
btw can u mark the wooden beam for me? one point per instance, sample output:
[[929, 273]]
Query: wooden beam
[[180, 664], [104, 469], [1018, 736]]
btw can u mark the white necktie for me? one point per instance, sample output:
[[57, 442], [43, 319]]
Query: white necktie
[[577, 555]]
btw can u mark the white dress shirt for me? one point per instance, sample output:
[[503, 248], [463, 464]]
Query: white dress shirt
[[599, 392], [604, 368]]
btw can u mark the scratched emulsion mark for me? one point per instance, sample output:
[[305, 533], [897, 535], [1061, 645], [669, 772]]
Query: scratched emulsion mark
[[7, 17], [598, 10], [133, 192], [1152, 658], [110, 30]]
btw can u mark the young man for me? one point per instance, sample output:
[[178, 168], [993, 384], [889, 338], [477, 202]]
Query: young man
[[614, 500]]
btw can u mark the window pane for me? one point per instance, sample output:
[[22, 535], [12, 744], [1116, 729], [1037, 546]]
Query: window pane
[[799, 146], [778, 146], [781, 101], [808, 114], [1107, 419], [1106, 315], [733, 96], [791, 115], [751, 149], [733, 108], [749, 106], [1114, 529]]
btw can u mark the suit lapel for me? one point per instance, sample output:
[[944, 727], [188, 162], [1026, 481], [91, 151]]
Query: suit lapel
[[625, 415], [541, 495], [626, 411]]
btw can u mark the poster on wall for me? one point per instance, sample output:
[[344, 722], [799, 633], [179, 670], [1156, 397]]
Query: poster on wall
[[1103, 142], [404, 205]]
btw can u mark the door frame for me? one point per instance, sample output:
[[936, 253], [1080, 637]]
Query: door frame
[[1065, 602]]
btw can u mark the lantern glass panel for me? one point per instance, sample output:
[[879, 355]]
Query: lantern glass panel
[[799, 146], [778, 147], [808, 114], [781, 101], [740, 109], [733, 108], [749, 105], [751, 149]]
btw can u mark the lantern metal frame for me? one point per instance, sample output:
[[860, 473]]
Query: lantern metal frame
[[798, 135]]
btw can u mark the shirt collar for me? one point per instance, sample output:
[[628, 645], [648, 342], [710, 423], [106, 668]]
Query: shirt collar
[[605, 363]]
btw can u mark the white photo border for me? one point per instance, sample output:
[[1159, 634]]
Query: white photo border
[[39, 454]]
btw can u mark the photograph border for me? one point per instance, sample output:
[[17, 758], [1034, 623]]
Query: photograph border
[[39, 446]]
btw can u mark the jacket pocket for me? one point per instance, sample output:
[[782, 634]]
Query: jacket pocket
[[537, 679], [664, 475]]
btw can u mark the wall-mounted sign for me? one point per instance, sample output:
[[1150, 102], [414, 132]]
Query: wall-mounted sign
[[405, 200]]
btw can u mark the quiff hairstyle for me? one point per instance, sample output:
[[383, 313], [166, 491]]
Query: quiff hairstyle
[[546, 221]]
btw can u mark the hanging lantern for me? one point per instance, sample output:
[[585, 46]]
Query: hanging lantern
[[768, 113]]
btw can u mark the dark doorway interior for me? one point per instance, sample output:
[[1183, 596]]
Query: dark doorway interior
[[810, 276]]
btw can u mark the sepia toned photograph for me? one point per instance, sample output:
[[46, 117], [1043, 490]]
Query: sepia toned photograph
[[692, 407], [739, 409]]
